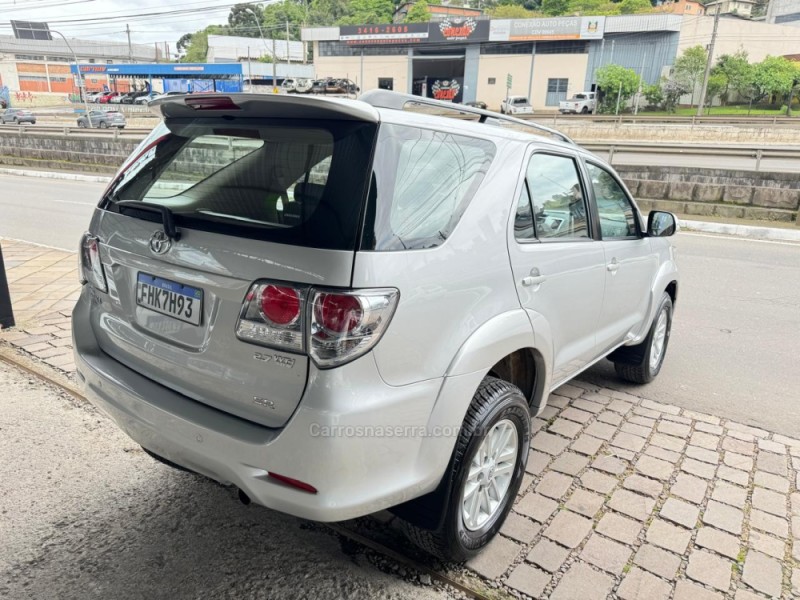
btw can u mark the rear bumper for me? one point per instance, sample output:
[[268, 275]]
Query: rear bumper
[[343, 439]]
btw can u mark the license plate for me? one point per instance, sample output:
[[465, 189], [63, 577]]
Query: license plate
[[167, 297]]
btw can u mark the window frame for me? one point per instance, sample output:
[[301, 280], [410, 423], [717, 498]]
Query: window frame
[[592, 222], [637, 217]]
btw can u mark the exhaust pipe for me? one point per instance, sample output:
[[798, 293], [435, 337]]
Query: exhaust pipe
[[244, 498]]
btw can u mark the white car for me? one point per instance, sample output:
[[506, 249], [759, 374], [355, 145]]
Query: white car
[[582, 103], [516, 105], [340, 306]]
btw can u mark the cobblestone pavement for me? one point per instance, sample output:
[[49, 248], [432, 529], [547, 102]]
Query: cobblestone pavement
[[624, 497]]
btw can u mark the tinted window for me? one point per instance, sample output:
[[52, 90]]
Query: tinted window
[[523, 221], [616, 213], [423, 182], [559, 204], [300, 183]]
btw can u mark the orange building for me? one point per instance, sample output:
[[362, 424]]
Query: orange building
[[682, 7]]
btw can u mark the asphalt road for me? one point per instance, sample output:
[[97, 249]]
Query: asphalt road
[[736, 338], [84, 513]]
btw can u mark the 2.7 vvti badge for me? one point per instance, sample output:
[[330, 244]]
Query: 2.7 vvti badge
[[351, 307]]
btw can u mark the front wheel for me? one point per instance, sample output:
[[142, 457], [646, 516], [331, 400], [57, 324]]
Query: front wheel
[[485, 473], [643, 362]]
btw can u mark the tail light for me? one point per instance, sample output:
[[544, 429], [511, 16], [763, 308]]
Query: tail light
[[333, 326], [91, 267]]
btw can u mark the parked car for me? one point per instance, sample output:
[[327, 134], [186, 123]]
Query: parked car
[[102, 119], [117, 99], [145, 98], [106, 98], [476, 104], [332, 349], [582, 102], [516, 105], [93, 96], [289, 86], [17, 116], [303, 85]]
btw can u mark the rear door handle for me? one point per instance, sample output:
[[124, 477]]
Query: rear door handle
[[535, 278], [613, 266]]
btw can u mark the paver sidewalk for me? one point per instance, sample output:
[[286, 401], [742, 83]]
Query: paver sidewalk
[[624, 498]]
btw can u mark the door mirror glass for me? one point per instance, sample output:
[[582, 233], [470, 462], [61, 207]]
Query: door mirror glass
[[661, 224]]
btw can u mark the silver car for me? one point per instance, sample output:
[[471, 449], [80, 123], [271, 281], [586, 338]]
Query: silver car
[[340, 307]]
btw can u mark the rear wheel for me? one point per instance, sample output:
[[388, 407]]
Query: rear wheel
[[585, 110], [103, 125], [642, 363], [485, 473]]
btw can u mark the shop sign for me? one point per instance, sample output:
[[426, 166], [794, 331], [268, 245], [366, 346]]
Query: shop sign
[[556, 28], [448, 90], [459, 29], [372, 35]]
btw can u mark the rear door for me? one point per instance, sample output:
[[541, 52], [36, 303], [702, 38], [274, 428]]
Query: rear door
[[253, 199], [631, 263], [558, 267]]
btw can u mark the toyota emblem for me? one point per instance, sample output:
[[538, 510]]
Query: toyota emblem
[[160, 243]]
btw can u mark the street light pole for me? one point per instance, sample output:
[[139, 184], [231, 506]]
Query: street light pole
[[78, 75], [274, 55]]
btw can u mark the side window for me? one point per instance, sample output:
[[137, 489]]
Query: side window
[[617, 219], [523, 222], [559, 204]]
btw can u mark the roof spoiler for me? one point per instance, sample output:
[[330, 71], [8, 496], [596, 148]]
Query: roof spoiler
[[398, 101]]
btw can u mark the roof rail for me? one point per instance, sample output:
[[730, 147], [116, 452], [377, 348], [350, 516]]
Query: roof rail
[[398, 101]]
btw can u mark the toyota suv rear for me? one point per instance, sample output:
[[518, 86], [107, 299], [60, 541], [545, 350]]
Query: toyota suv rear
[[340, 306]]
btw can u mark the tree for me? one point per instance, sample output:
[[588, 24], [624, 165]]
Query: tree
[[418, 13], [717, 84], [617, 82], [369, 11], [672, 89], [775, 76], [197, 46], [327, 12], [592, 8], [277, 15], [183, 43], [654, 95], [690, 67], [737, 71], [241, 21]]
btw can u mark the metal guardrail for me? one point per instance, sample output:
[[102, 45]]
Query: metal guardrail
[[758, 153]]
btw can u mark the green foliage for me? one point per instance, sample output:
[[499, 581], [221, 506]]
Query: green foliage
[[592, 7], [690, 66], [672, 89], [775, 76], [654, 95], [327, 12], [277, 15], [738, 73], [197, 46], [369, 11], [629, 7], [241, 20], [512, 11], [555, 7], [418, 13], [615, 81], [717, 84]]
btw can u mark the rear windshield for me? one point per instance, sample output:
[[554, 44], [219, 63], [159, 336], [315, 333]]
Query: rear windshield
[[280, 180]]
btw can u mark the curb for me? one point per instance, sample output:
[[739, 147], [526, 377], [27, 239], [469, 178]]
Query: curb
[[56, 175], [745, 231]]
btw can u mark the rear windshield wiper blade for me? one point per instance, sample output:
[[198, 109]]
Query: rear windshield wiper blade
[[167, 218]]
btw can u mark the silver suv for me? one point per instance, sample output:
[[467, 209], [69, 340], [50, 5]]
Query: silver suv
[[340, 306]]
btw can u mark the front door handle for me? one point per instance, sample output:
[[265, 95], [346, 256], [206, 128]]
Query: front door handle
[[535, 278], [613, 266]]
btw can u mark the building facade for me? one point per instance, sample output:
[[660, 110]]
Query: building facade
[[682, 7], [44, 65], [470, 59], [784, 12]]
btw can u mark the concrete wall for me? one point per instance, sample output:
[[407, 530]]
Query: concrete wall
[[716, 192], [374, 67], [760, 39]]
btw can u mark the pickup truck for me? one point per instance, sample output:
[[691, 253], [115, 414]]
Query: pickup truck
[[516, 105], [582, 102]]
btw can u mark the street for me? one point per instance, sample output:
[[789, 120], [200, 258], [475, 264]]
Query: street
[[86, 514], [732, 350]]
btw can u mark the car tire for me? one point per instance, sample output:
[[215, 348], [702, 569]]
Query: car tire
[[643, 362], [498, 409], [585, 110], [81, 124], [103, 125]]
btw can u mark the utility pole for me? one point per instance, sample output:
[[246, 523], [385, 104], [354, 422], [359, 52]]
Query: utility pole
[[288, 54], [130, 48], [639, 91], [274, 54], [703, 89]]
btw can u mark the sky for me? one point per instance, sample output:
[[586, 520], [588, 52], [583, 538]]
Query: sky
[[106, 19]]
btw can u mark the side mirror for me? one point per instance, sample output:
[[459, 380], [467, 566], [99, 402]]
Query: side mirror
[[661, 224]]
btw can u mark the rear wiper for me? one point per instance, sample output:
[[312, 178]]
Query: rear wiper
[[167, 218]]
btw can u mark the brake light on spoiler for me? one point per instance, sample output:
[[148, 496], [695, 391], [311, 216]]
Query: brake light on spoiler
[[333, 326], [203, 102]]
